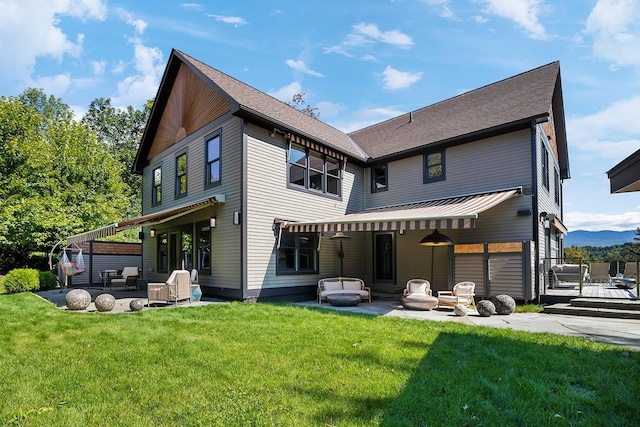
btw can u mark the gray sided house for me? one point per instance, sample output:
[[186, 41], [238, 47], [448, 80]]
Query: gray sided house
[[249, 190]]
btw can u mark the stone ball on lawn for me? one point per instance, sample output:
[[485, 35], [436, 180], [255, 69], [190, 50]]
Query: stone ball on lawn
[[504, 304], [105, 302], [460, 310], [485, 308], [136, 305], [78, 299]]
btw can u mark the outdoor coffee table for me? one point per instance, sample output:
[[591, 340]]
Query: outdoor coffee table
[[426, 302], [344, 300]]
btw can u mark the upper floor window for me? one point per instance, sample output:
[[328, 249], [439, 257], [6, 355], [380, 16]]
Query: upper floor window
[[156, 189], [181, 175], [379, 178], [297, 253], [313, 170], [434, 167], [213, 160], [556, 186], [545, 166]]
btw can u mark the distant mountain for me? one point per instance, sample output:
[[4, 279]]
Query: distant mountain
[[598, 238]]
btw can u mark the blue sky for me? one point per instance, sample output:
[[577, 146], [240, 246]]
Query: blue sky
[[359, 62]]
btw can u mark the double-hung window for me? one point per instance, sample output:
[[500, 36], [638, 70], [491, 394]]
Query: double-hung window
[[433, 169], [545, 165], [312, 170], [213, 160], [379, 178], [556, 186], [297, 253], [181, 175], [156, 187]]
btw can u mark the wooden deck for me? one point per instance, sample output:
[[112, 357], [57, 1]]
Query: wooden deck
[[595, 290]]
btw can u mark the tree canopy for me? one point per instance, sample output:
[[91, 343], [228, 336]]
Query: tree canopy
[[56, 177]]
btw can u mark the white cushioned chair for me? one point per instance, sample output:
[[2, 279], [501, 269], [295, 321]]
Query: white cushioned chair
[[127, 278], [462, 293]]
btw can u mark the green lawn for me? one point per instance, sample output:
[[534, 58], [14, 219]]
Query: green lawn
[[235, 364]]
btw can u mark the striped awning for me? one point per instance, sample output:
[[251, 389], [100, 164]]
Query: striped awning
[[451, 213], [146, 220]]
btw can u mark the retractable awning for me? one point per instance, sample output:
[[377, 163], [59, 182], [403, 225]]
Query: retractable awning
[[146, 220], [450, 213]]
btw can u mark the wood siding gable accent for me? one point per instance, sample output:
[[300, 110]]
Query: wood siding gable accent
[[191, 105]]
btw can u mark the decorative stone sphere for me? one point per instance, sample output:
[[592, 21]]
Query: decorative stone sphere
[[504, 304], [136, 305], [78, 299], [105, 302], [485, 308], [460, 310]]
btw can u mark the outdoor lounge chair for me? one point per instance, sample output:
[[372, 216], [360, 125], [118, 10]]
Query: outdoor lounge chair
[[462, 293], [599, 272], [630, 271], [176, 288], [417, 295], [128, 278]]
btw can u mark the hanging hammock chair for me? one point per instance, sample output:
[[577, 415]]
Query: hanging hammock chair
[[72, 268]]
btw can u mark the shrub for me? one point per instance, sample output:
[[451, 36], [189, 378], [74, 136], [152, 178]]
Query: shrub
[[47, 280], [22, 280]]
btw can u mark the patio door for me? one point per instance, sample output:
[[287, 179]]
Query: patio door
[[181, 250], [384, 265]]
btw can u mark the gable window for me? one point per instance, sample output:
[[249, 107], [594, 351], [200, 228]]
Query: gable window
[[181, 175], [556, 185], [434, 167], [213, 161], [297, 253], [545, 166], [156, 189], [379, 178], [312, 170]]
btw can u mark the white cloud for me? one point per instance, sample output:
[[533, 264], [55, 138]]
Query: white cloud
[[611, 133], [329, 109], [394, 37], [235, 20], [523, 12], [597, 221], [302, 67], [138, 24], [98, 67], [366, 117], [369, 58], [615, 27], [285, 93], [53, 84], [480, 19], [395, 79], [135, 90], [369, 34], [192, 6], [33, 28]]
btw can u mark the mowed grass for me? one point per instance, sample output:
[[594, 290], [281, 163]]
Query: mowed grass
[[235, 364]]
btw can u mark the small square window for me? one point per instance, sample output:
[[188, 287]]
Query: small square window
[[379, 178], [434, 169]]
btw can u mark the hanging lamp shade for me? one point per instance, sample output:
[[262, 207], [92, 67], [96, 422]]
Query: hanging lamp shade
[[436, 239], [340, 235]]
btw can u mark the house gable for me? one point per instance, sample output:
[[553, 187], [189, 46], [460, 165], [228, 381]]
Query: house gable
[[191, 105]]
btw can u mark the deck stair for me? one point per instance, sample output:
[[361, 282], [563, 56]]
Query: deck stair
[[597, 307]]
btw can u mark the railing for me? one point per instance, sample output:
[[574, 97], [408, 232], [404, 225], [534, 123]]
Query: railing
[[616, 269]]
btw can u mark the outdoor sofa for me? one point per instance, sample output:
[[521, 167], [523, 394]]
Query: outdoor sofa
[[570, 273], [344, 286]]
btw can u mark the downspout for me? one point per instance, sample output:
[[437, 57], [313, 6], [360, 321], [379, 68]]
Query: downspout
[[536, 219]]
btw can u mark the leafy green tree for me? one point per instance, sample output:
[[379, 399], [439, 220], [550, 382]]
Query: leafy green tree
[[121, 130], [576, 253], [56, 178]]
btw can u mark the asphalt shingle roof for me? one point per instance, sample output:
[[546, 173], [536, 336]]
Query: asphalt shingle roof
[[259, 103], [516, 99]]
